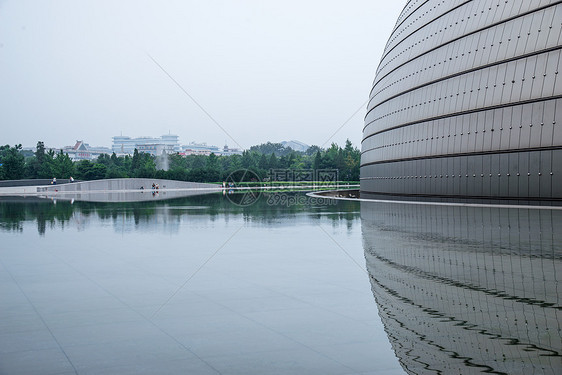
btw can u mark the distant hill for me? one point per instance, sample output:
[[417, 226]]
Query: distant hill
[[296, 145], [281, 148]]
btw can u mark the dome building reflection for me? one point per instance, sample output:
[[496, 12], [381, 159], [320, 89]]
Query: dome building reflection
[[467, 289]]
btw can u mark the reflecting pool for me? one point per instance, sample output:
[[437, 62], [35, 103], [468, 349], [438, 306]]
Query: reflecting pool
[[279, 284], [197, 285]]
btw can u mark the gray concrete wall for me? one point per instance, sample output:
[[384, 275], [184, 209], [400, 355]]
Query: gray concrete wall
[[32, 182], [128, 184]]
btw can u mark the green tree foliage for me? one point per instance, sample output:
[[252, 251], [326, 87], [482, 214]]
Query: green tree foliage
[[263, 163], [82, 169], [98, 171], [86, 170], [261, 160], [63, 167], [317, 160], [41, 164], [352, 162], [312, 150], [13, 163], [116, 171], [271, 148], [135, 163], [147, 167], [273, 162]]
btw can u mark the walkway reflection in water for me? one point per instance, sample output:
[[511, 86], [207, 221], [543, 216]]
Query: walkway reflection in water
[[467, 289]]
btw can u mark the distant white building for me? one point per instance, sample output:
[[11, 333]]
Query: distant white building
[[83, 151], [230, 151], [199, 149], [204, 149], [156, 149], [125, 145]]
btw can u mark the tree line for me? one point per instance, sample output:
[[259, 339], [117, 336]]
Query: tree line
[[261, 159]]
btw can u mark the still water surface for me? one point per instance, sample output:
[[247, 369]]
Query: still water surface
[[199, 285]]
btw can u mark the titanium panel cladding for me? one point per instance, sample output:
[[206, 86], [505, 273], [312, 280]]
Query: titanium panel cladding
[[470, 91]]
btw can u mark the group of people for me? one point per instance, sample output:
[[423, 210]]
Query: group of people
[[154, 187]]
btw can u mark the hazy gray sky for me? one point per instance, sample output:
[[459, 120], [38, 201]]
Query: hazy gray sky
[[263, 70]]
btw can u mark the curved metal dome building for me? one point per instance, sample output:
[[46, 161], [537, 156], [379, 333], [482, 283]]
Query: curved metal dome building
[[467, 103]]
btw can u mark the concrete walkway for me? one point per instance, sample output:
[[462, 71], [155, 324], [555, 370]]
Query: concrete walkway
[[117, 185]]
